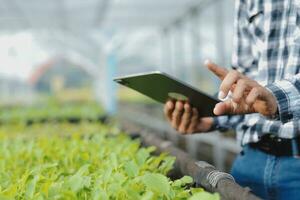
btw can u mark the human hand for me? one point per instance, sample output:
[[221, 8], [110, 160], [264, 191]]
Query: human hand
[[248, 96], [185, 119]]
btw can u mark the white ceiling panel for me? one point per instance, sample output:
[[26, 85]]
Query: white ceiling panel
[[76, 14]]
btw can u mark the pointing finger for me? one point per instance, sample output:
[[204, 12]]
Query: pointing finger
[[217, 70], [230, 79]]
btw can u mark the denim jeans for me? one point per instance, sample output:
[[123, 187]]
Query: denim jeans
[[268, 176]]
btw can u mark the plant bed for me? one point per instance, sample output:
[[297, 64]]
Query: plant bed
[[200, 171], [53, 113], [85, 161], [72, 120]]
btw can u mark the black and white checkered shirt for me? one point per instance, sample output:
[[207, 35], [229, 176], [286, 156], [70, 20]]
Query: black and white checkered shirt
[[267, 49]]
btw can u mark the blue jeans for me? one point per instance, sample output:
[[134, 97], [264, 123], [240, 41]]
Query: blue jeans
[[268, 176]]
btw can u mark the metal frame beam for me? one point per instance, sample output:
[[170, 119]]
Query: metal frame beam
[[13, 7], [103, 10]]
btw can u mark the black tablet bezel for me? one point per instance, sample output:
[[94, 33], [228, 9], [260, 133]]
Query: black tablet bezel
[[147, 83]]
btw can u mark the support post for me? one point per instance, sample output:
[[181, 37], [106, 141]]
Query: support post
[[195, 45], [165, 50], [111, 90]]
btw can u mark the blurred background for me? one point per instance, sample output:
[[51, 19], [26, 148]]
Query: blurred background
[[58, 53]]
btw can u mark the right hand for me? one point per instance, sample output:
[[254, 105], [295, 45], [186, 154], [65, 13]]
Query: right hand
[[185, 119]]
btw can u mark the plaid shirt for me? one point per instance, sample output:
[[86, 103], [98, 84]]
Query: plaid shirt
[[267, 49]]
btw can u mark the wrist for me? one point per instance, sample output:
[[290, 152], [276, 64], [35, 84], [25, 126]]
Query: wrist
[[281, 91], [206, 124], [274, 115], [274, 109]]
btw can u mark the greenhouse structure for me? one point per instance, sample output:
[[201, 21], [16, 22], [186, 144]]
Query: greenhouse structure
[[116, 99]]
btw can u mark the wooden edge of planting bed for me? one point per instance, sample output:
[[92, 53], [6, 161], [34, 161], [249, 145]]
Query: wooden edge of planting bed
[[227, 188]]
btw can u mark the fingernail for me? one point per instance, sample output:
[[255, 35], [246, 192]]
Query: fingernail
[[221, 95], [215, 111], [186, 106], [207, 61]]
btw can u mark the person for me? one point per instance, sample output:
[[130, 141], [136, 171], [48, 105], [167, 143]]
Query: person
[[263, 98]]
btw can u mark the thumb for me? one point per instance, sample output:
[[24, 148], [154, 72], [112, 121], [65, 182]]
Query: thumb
[[217, 70], [226, 107]]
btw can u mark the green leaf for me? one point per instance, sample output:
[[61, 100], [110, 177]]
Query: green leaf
[[31, 186], [167, 164], [131, 169], [157, 183], [196, 190], [205, 196], [183, 181], [148, 196], [106, 175], [142, 155], [78, 181], [186, 180], [114, 160], [132, 194], [99, 194]]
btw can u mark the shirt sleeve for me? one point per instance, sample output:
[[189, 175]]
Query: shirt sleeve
[[287, 94], [243, 59], [224, 123]]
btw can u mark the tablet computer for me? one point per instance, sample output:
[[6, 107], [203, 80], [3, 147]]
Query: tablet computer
[[162, 87]]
